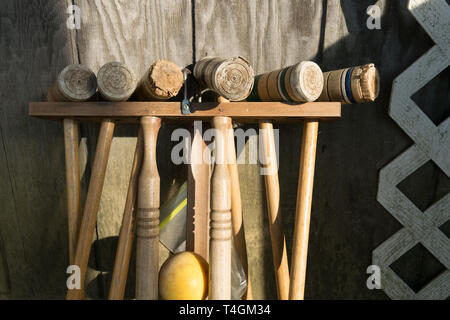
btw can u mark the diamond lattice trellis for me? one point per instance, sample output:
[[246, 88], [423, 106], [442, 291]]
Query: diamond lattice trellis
[[431, 143]]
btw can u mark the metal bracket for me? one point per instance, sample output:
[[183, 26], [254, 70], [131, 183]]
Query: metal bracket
[[185, 104]]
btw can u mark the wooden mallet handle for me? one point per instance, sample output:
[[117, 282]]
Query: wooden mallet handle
[[303, 210], [277, 237], [198, 196], [127, 231], [92, 204], [71, 137], [220, 224], [148, 215], [236, 205]]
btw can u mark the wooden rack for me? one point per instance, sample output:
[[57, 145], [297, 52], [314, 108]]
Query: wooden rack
[[246, 112], [226, 215]]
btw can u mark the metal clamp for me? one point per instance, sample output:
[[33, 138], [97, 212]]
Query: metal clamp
[[185, 104]]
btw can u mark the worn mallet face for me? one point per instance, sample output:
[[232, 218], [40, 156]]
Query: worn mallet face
[[301, 82], [230, 78], [166, 78], [234, 79], [74, 83], [116, 82], [307, 81], [370, 83], [351, 85], [162, 81]]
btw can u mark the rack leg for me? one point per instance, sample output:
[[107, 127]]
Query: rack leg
[[72, 183], [277, 237], [92, 204], [147, 232], [220, 224], [303, 210], [127, 231]]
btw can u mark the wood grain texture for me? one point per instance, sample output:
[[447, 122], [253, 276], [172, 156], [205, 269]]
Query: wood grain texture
[[220, 224], [127, 230], [271, 35], [277, 237], [116, 81], [137, 33], [92, 204], [230, 78], [147, 222], [33, 218], [241, 111]]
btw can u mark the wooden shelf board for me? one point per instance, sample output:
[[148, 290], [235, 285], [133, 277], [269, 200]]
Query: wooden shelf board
[[170, 111]]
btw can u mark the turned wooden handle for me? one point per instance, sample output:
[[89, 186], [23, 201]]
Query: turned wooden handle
[[92, 204], [303, 210], [127, 231], [220, 224], [71, 136], [269, 162], [236, 205], [148, 215]]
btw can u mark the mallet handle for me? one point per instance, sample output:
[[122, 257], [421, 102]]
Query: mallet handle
[[92, 204], [303, 210], [236, 205], [71, 136], [198, 196], [280, 261], [148, 215], [127, 231], [220, 223]]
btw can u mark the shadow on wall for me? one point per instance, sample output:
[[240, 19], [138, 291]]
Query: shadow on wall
[[347, 222], [349, 157]]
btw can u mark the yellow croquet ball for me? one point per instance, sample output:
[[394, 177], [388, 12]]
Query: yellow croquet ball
[[184, 276]]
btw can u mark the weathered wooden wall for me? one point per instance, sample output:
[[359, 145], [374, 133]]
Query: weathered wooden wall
[[347, 222]]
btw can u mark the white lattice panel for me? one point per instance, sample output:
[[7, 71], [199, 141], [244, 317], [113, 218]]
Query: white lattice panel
[[431, 143]]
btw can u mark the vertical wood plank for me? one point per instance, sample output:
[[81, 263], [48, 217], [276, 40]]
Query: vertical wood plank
[[34, 47], [137, 33], [270, 35]]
